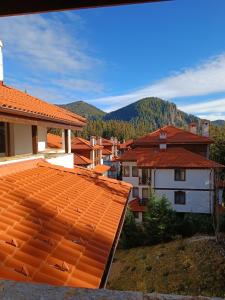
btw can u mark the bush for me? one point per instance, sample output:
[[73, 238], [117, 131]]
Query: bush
[[132, 234], [161, 223], [160, 220]]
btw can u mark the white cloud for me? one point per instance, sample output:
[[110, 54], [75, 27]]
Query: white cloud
[[81, 85], [207, 78], [43, 43], [212, 110]]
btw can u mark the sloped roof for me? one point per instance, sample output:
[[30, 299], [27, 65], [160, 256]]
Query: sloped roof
[[58, 225], [169, 158], [101, 169], [106, 142], [174, 136], [135, 205], [126, 144], [82, 144], [17, 102], [54, 141], [106, 151], [81, 160]]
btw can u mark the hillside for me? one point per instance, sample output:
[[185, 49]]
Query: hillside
[[218, 122], [192, 266], [84, 109], [152, 110]]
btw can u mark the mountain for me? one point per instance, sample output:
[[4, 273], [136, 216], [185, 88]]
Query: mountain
[[218, 122], [154, 111], [84, 109]]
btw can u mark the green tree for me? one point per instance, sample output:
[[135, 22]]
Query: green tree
[[160, 220]]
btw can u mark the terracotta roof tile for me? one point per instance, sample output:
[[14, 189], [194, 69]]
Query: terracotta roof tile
[[54, 141], [173, 136], [169, 158], [81, 160], [126, 144], [106, 152], [18, 102], [101, 169], [135, 206], [80, 143], [58, 225], [106, 142]]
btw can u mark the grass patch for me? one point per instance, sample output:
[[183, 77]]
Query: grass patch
[[189, 266]]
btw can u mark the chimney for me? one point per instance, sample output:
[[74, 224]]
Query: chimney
[[162, 134], [205, 128], [92, 141], [193, 128], [1, 63]]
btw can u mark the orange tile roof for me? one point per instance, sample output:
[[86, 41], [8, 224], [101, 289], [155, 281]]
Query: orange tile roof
[[106, 151], [54, 141], [58, 225], [169, 158], [135, 205], [81, 160], [80, 143], [174, 136], [101, 169], [126, 144], [106, 142], [17, 102]]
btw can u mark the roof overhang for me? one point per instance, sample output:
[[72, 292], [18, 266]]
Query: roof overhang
[[15, 7], [28, 120]]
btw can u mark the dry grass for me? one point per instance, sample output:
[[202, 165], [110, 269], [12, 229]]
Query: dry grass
[[191, 266]]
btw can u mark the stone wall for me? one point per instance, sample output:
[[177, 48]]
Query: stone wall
[[11, 290]]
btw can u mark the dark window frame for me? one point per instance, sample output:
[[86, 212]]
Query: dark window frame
[[126, 168], [179, 198], [135, 188], [134, 168], [178, 174]]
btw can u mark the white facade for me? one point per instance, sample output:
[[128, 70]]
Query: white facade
[[22, 138], [42, 138], [63, 159], [197, 186]]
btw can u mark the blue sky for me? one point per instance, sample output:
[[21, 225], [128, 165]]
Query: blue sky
[[111, 57]]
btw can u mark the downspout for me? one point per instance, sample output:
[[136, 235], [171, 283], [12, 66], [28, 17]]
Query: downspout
[[105, 276]]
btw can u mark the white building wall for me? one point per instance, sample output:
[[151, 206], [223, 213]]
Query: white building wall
[[196, 201], [195, 179], [134, 181], [42, 138], [197, 186], [65, 160], [22, 139]]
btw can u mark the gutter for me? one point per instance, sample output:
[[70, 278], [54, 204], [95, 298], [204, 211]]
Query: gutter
[[105, 276], [34, 119], [16, 112]]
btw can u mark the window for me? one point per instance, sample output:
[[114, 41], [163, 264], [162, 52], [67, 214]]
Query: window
[[134, 172], [179, 175], [2, 137], [145, 194], [136, 214], [126, 171], [145, 178], [180, 197], [135, 192]]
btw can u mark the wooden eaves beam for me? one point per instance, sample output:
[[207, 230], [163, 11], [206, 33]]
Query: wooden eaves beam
[[19, 7]]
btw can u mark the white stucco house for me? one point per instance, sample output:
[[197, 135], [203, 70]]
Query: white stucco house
[[24, 121], [185, 177]]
